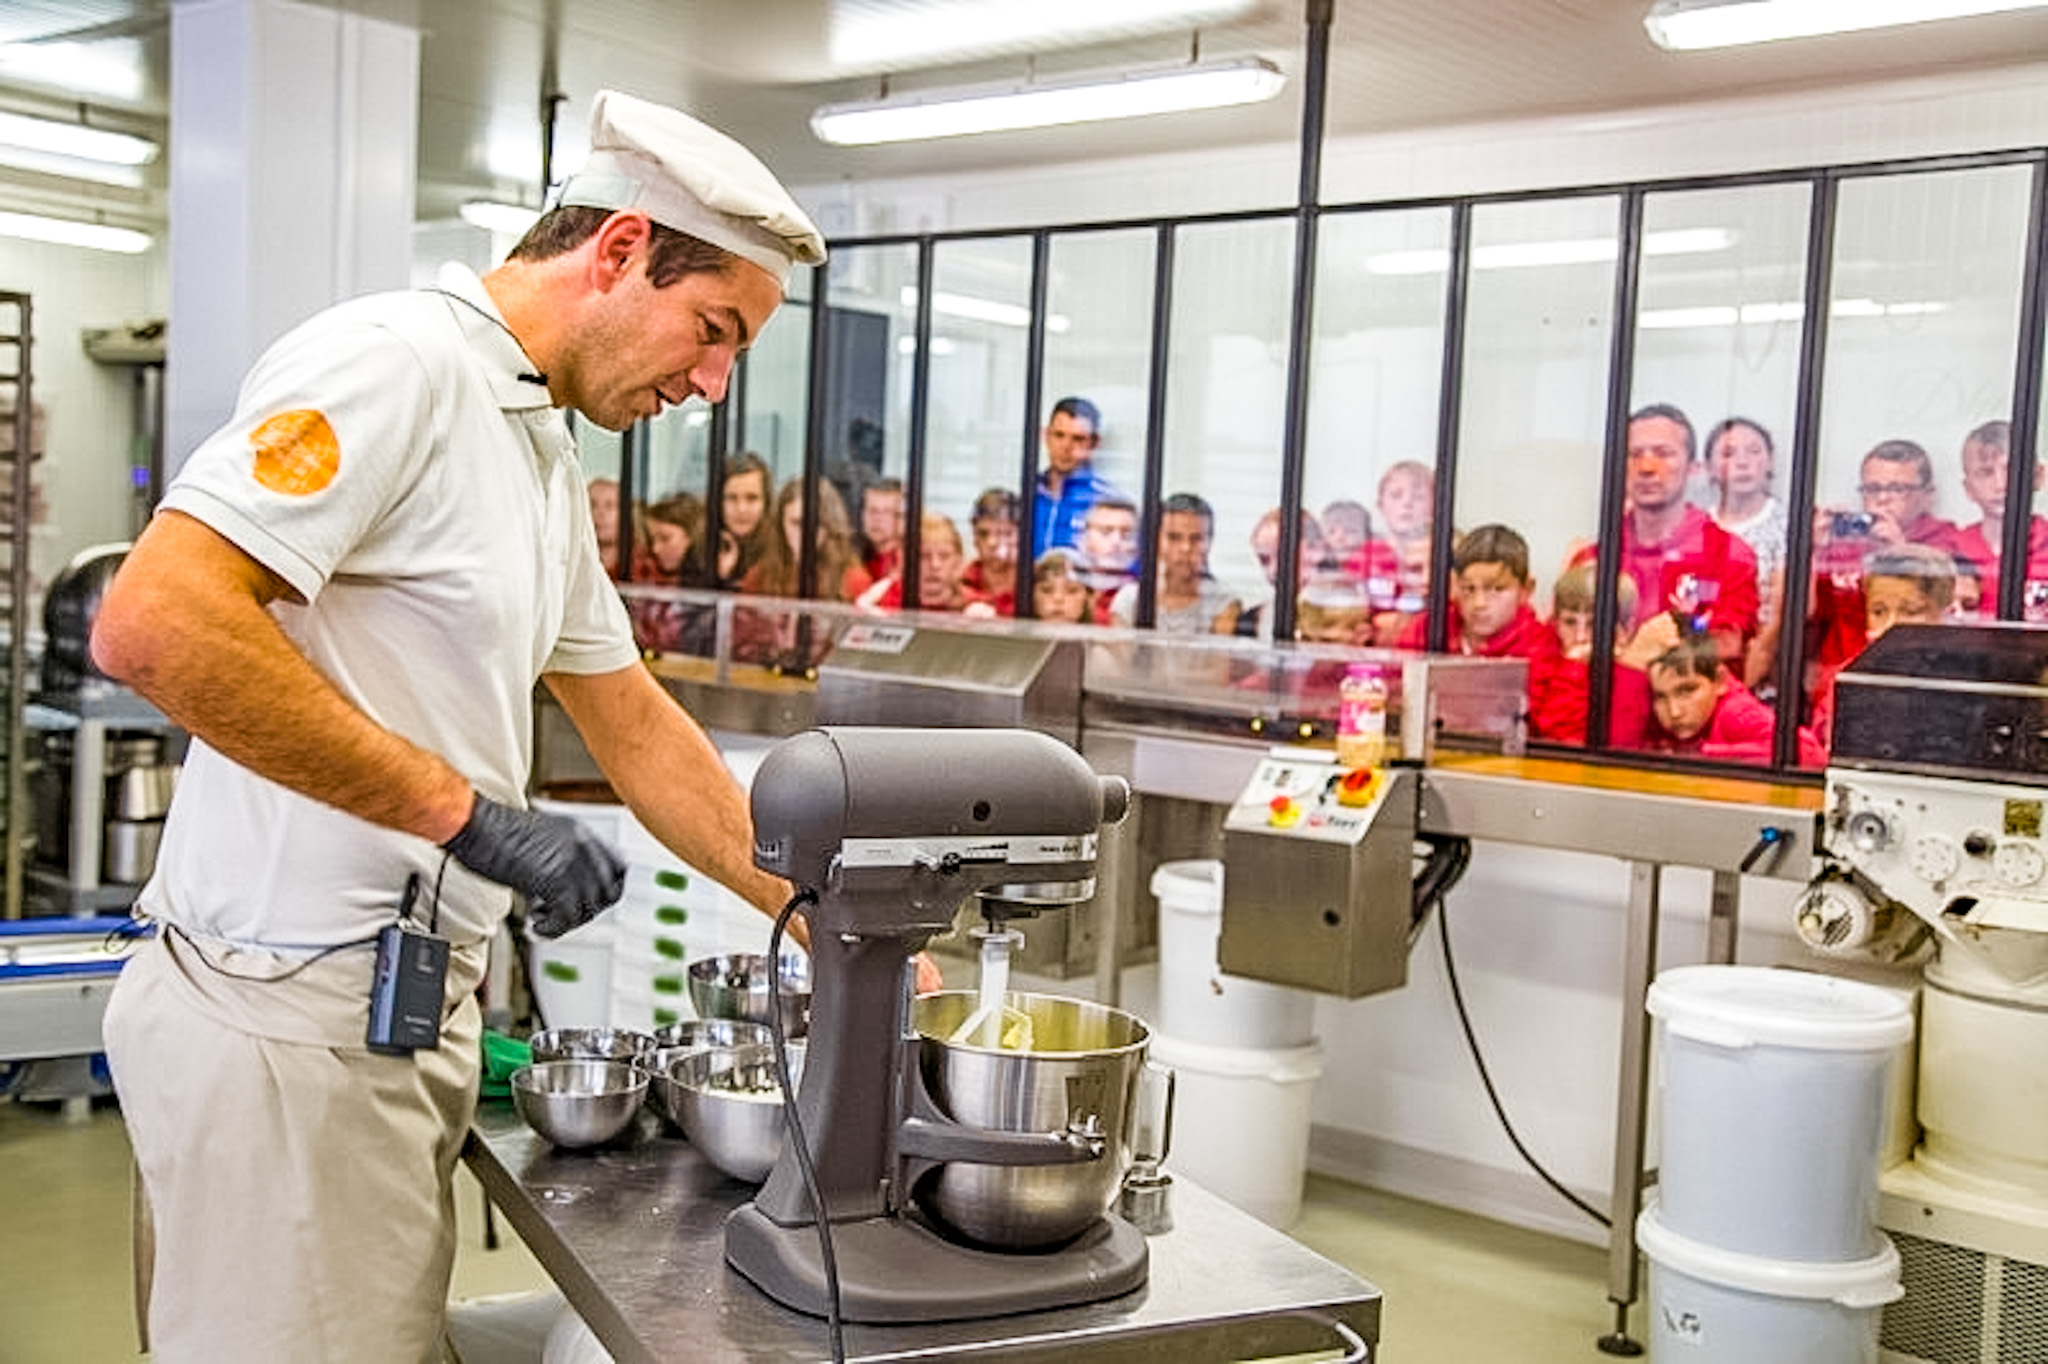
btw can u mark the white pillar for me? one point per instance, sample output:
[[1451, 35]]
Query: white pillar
[[292, 161]]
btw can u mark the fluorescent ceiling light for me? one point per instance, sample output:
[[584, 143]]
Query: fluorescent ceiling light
[[961, 111], [75, 139], [1679, 319], [67, 232], [510, 219], [105, 69], [1691, 241], [980, 309], [898, 34], [1687, 25]]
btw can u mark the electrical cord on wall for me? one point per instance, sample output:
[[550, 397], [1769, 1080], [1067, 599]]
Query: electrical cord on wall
[[794, 1122], [1443, 932]]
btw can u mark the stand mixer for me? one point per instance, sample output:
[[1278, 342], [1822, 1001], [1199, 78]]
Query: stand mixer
[[892, 830]]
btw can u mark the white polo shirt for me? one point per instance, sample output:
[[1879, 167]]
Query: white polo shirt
[[387, 461]]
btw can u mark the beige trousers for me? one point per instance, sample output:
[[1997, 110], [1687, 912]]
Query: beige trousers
[[300, 1185]]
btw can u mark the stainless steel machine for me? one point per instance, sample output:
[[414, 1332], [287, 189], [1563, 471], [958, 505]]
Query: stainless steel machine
[[921, 1180], [1933, 850]]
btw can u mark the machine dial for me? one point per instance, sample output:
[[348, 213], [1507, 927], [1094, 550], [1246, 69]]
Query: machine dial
[[1935, 857], [2019, 864], [1869, 831]]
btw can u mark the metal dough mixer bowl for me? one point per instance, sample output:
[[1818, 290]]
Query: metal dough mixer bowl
[[1084, 1061]]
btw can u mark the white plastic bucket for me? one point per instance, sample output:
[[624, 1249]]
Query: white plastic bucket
[[1714, 1306], [1240, 1122], [1774, 1108], [1197, 1001]]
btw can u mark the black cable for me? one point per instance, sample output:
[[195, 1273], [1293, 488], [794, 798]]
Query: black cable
[[1443, 931], [794, 1122], [281, 976], [1770, 839]]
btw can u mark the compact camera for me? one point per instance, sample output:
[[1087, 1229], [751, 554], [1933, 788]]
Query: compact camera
[[1854, 523]]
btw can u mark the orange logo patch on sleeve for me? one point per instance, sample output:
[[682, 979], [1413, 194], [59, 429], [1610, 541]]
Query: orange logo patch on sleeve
[[296, 453]]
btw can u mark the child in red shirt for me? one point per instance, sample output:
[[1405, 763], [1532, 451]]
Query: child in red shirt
[[1700, 710], [1490, 615]]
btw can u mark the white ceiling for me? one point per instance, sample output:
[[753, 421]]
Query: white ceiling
[[757, 68]]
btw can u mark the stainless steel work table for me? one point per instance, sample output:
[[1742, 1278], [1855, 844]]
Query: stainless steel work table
[[634, 1235]]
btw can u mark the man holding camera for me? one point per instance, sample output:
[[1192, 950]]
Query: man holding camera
[[1896, 485]]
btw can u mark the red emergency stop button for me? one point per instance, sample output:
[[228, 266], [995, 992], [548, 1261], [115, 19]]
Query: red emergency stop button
[[1356, 786], [1283, 812]]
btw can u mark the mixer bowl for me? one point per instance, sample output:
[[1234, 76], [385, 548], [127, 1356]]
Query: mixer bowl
[[736, 986], [1084, 1061]]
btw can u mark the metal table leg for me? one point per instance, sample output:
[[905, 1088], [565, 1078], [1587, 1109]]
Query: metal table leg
[[88, 801], [1645, 887]]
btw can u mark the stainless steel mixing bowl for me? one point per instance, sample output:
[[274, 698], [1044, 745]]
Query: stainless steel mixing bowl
[[736, 986], [731, 1106], [695, 1034], [579, 1102], [590, 1044], [1083, 1063]]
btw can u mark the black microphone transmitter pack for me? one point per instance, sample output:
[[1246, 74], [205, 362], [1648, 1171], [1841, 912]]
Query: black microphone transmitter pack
[[406, 990]]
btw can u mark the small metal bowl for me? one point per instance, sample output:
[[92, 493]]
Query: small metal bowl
[[579, 1102], [677, 1040], [696, 1034], [590, 1044], [736, 986], [730, 1107]]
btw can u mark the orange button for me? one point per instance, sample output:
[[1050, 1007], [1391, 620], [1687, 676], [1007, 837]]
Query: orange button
[[1357, 786], [1284, 812]]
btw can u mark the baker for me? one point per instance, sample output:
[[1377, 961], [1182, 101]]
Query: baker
[[346, 598]]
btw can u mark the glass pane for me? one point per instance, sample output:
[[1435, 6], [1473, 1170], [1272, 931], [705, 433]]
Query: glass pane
[[777, 379], [1718, 332], [1376, 373], [1923, 332], [1539, 309], [673, 451], [601, 454], [870, 297], [974, 423], [1226, 406], [1098, 348]]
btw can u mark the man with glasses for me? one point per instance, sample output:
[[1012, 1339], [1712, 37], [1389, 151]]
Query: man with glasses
[[1896, 485]]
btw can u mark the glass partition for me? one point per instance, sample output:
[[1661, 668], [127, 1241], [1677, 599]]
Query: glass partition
[[974, 422], [1719, 324], [1531, 424], [1226, 406], [1098, 347], [1923, 330], [1375, 376]]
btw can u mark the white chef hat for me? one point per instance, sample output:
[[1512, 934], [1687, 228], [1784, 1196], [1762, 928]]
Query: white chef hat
[[693, 178]]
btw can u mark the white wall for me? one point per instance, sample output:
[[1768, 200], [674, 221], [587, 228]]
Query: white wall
[[90, 406]]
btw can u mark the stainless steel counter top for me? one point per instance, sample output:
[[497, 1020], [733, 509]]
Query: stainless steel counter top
[[634, 1235]]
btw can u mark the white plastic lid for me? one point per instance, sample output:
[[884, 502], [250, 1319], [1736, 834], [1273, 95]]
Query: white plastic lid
[[1283, 1065], [1869, 1282], [1757, 1006], [1195, 886]]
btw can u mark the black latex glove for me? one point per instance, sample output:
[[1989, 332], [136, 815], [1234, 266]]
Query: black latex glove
[[568, 875]]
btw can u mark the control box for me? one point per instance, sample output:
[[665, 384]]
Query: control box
[[1318, 886]]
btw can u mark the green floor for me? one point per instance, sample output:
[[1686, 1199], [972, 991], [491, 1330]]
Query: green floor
[[1458, 1289]]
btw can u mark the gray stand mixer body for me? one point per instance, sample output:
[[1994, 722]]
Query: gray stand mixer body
[[893, 829]]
